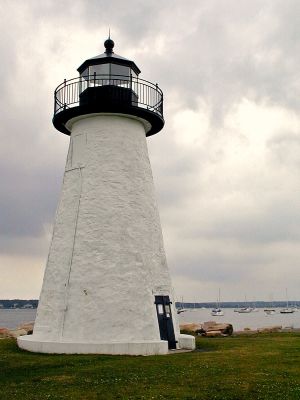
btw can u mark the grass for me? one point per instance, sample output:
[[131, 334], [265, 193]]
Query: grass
[[264, 366]]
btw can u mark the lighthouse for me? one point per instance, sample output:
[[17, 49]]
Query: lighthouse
[[107, 288]]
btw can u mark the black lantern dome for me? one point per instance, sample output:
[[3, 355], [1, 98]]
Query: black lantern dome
[[109, 83]]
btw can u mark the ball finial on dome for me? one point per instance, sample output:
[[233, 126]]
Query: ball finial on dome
[[109, 45]]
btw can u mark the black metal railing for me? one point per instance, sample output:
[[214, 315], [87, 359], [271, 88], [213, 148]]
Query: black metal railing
[[146, 95]]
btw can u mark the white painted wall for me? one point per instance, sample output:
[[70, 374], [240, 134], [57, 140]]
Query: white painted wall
[[106, 259]]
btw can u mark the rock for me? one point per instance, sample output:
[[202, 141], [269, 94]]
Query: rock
[[269, 329], [190, 327], [246, 332], [287, 329], [28, 327], [225, 328], [208, 325], [213, 334], [4, 333], [17, 332]]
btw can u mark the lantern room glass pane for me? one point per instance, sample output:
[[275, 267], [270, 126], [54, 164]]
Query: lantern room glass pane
[[120, 72], [83, 84], [102, 69], [85, 73], [99, 74]]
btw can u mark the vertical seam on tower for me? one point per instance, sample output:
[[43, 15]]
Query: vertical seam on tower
[[72, 254]]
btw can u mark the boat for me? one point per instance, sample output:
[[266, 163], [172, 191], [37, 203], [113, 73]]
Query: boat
[[287, 309], [254, 308], [181, 309], [194, 308], [270, 311], [217, 311], [244, 310]]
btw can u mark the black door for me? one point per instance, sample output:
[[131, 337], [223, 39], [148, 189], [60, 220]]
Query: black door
[[165, 322]]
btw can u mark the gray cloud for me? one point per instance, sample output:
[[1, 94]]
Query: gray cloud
[[223, 179]]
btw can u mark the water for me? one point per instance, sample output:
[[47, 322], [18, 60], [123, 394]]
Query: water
[[253, 320], [11, 319]]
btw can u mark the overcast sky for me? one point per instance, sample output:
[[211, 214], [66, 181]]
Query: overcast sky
[[226, 166]]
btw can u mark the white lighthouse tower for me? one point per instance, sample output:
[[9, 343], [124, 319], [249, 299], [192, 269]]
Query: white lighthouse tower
[[107, 287]]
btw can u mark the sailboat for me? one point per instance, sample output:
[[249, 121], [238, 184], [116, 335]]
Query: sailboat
[[194, 308], [287, 309], [254, 308], [217, 312], [181, 309], [244, 310], [270, 310]]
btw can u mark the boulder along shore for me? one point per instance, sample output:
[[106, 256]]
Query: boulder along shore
[[24, 329]]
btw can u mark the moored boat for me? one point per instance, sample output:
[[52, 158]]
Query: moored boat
[[244, 310], [287, 309], [217, 312], [270, 311]]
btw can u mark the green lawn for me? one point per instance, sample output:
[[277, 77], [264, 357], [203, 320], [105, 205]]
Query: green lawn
[[233, 368]]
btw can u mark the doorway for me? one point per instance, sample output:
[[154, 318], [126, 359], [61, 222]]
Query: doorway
[[165, 321]]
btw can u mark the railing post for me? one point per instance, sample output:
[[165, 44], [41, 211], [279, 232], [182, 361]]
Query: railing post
[[55, 103], [80, 85], [64, 91]]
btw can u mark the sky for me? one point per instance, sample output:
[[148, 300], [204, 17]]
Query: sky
[[226, 165]]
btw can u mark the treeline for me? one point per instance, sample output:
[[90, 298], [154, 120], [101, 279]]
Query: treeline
[[17, 303], [33, 303]]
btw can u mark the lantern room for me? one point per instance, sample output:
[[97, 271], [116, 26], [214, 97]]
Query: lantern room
[[108, 83], [109, 65]]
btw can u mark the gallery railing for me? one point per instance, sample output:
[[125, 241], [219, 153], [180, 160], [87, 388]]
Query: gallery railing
[[146, 95]]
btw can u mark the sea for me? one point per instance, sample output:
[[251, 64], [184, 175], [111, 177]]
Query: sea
[[253, 320], [12, 318]]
